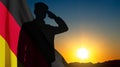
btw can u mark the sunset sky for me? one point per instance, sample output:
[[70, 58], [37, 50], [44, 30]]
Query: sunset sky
[[93, 24]]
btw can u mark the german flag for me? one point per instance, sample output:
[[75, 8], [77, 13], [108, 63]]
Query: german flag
[[12, 14]]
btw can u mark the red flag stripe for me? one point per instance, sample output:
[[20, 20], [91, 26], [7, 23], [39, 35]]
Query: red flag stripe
[[9, 29]]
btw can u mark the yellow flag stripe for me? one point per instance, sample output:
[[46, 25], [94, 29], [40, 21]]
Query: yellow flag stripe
[[7, 57]]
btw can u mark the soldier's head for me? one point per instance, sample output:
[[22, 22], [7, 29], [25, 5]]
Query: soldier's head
[[40, 10]]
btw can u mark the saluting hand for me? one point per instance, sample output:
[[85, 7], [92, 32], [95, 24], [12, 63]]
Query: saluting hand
[[51, 15]]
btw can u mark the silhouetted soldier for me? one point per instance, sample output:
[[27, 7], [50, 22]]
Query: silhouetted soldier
[[36, 40]]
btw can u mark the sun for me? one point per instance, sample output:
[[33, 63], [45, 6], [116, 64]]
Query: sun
[[82, 53]]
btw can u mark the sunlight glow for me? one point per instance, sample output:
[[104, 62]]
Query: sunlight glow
[[82, 53]]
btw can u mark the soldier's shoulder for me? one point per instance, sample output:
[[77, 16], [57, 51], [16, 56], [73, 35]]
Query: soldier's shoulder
[[27, 23]]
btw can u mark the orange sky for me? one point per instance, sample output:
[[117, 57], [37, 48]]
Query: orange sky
[[97, 45]]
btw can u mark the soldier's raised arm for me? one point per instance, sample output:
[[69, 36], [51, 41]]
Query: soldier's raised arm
[[62, 27]]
